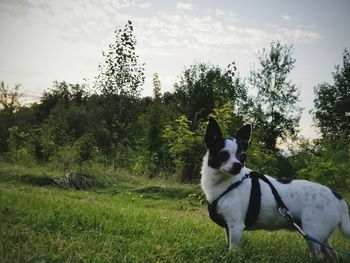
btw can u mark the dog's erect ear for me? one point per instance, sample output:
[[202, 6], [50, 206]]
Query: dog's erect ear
[[213, 133], [243, 136]]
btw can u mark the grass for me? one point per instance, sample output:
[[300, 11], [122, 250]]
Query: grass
[[127, 219]]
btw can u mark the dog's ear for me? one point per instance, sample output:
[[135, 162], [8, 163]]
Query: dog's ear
[[243, 136], [213, 133]]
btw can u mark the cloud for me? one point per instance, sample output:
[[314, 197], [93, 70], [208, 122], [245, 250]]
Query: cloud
[[220, 12], [298, 35], [92, 23], [181, 34], [224, 13], [286, 17], [189, 33], [184, 6], [145, 5]]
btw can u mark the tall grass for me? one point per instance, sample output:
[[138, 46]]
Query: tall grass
[[124, 221]]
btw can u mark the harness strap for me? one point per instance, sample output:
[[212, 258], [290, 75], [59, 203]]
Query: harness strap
[[277, 197], [254, 203], [212, 206], [254, 200]]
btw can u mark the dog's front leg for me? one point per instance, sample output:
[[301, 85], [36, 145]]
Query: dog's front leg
[[235, 234]]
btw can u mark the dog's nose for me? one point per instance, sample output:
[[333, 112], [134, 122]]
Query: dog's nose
[[236, 168]]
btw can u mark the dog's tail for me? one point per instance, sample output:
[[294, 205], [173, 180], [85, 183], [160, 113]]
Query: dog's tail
[[345, 220]]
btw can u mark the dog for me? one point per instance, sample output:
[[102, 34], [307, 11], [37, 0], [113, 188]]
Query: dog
[[226, 183]]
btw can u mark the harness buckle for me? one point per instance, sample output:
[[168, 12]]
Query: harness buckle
[[284, 211]]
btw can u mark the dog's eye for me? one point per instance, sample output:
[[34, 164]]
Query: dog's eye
[[223, 156]]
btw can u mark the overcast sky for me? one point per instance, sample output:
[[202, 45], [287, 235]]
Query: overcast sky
[[42, 41]]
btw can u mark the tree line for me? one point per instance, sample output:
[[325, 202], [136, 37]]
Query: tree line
[[110, 124]]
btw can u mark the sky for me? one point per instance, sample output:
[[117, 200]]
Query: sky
[[43, 41]]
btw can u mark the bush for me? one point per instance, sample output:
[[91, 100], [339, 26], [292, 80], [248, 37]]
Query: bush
[[20, 148], [262, 160], [327, 162], [185, 147], [323, 171], [66, 158]]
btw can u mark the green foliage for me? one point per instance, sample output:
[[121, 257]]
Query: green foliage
[[121, 72], [185, 147], [203, 87], [9, 106], [86, 147], [61, 93], [151, 157], [44, 145], [66, 158], [119, 81], [156, 87], [323, 171], [275, 109], [20, 148], [9, 97], [227, 119], [329, 165], [261, 159], [67, 123], [145, 163], [332, 102], [70, 157]]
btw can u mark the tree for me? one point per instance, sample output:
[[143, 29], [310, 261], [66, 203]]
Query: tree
[[156, 87], [150, 125], [203, 87], [9, 98], [275, 111], [9, 105], [61, 93], [121, 73], [119, 81], [324, 160], [185, 147], [332, 102]]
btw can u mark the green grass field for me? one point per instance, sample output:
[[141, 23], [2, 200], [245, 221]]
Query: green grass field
[[123, 219]]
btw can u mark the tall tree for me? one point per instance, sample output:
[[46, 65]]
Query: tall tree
[[275, 108], [120, 79], [156, 87], [332, 102], [121, 73], [150, 126]]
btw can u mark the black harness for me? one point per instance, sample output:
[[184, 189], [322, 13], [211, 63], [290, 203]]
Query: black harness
[[254, 200]]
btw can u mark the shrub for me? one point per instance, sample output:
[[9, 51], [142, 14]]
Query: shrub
[[329, 163], [185, 147], [20, 148]]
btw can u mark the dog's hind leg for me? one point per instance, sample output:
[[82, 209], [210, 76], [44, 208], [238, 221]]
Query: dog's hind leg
[[330, 254], [315, 250], [227, 235], [235, 234]]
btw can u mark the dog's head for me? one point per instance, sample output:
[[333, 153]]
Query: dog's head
[[226, 154]]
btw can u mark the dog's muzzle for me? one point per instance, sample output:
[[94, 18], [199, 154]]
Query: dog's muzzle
[[236, 168]]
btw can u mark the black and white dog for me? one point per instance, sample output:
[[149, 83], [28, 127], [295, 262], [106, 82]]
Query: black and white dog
[[226, 183]]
